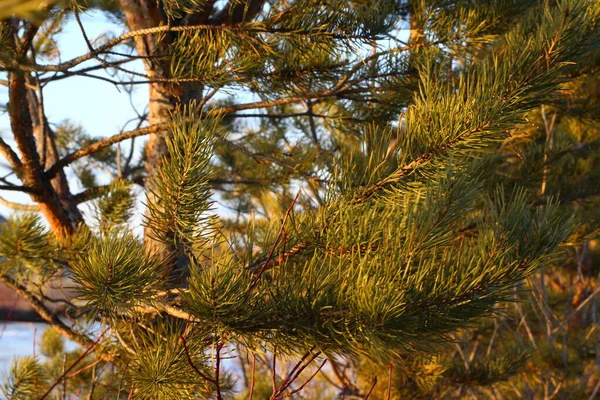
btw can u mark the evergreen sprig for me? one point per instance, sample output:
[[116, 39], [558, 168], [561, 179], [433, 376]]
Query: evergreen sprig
[[26, 379], [115, 274], [167, 366], [178, 215], [27, 247]]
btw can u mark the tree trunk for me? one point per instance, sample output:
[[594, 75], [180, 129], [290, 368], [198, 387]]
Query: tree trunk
[[46, 147], [164, 96]]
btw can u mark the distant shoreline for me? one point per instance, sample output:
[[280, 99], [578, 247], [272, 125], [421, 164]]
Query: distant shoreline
[[13, 315], [14, 309]]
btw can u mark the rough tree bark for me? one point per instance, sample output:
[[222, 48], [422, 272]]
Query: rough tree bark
[[164, 96]]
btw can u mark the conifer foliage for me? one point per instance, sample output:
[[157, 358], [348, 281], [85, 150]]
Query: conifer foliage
[[387, 198]]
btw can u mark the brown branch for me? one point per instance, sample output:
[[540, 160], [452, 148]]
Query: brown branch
[[279, 236], [274, 371], [288, 379], [65, 66], [157, 128], [168, 309], [310, 378], [17, 188], [253, 378], [372, 387], [295, 373], [50, 317], [191, 362], [10, 156], [102, 144], [87, 351], [239, 11], [28, 36], [218, 369], [18, 206], [32, 173], [389, 388], [86, 70], [91, 193]]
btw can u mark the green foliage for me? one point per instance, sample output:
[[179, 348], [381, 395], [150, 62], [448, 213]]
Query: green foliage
[[26, 247], [486, 370], [166, 369], [435, 180], [115, 274], [177, 215], [51, 343], [26, 379], [115, 207], [23, 8]]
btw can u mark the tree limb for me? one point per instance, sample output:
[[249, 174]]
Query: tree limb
[[49, 316]]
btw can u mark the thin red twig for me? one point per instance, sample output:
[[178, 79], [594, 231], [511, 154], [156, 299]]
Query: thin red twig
[[217, 370], [372, 387], [292, 378], [293, 392], [81, 357], [389, 388], [279, 236], [253, 379], [80, 370], [273, 372], [298, 364], [187, 353]]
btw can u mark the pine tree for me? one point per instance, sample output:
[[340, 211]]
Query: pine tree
[[392, 196]]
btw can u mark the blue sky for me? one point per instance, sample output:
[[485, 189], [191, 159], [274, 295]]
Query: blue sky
[[96, 105]]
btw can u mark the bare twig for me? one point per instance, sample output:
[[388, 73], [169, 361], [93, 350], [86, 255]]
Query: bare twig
[[81, 357], [191, 362], [253, 378], [279, 236], [372, 387], [19, 206], [389, 388], [310, 378], [50, 317], [10, 155], [296, 371], [274, 372], [157, 128], [574, 312], [218, 369]]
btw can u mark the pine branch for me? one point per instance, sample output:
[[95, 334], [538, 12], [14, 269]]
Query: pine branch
[[87, 351], [10, 155], [17, 188], [405, 171], [18, 206]]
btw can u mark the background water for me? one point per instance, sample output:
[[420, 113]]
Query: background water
[[17, 339]]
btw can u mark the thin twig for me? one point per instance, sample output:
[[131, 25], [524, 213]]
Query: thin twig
[[389, 388], [218, 369], [296, 371], [157, 128], [301, 387], [273, 372], [279, 236], [191, 362], [50, 317], [372, 387], [253, 378], [18, 206], [81, 357]]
